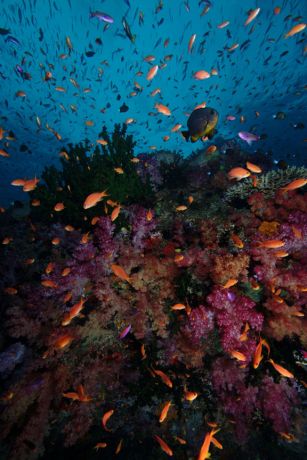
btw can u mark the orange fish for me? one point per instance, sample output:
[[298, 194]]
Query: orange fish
[[211, 149], [119, 447], [277, 10], [59, 207], [30, 185], [152, 72], [119, 170], [120, 272], [180, 440], [190, 199], [135, 160], [191, 42], [178, 306], [288, 436], [201, 75], [231, 282], [252, 15], [216, 443], [280, 254], [223, 24], [149, 58], [149, 216], [49, 268], [212, 424], [165, 379], [7, 240], [254, 180], [73, 312], [68, 297], [29, 261], [165, 447], [204, 450], [143, 352], [238, 355], [297, 183], [295, 30], [93, 199], [63, 341], [258, 355], [10, 290], [105, 419], [233, 47], [238, 173], [284, 372], [155, 92], [65, 271], [100, 445], [190, 395], [237, 241], [102, 142], [253, 168], [163, 109], [297, 232], [202, 105], [49, 284], [85, 238], [164, 411], [71, 395], [115, 213], [80, 395], [21, 94], [243, 337], [181, 208], [271, 244], [3, 153], [60, 89]]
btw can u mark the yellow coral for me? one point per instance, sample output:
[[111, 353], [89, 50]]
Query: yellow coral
[[268, 228]]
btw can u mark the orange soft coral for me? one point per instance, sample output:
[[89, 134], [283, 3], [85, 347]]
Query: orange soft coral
[[229, 266]]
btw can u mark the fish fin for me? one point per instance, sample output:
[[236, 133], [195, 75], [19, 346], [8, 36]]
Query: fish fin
[[186, 135], [249, 142], [194, 138], [212, 133]]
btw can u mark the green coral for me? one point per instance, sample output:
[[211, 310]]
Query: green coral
[[84, 173], [267, 183]]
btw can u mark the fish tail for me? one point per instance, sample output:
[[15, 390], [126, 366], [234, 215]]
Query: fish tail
[[186, 135]]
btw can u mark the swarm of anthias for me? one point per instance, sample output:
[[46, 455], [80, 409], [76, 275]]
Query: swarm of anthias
[[181, 340]]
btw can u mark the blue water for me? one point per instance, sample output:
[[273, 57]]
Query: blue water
[[266, 73]]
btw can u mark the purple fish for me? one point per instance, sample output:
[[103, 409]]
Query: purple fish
[[19, 70], [101, 16], [125, 332], [231, 296], [248, 137]]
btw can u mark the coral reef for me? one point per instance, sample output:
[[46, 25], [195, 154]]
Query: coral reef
[[159, 306], [267, 184]]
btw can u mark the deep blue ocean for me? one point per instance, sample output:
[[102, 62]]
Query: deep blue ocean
[[99, 68]]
